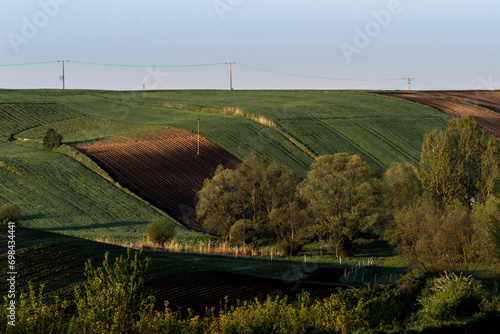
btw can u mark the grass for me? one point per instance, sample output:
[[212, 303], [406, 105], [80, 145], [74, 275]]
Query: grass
[[290, 127], [56, 193]]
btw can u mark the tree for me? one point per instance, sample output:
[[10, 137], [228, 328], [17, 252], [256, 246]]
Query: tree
[[434, 238], [489, 183], [255, 203], [459, 164], [220, 202], [494, 230], [52, 139], [292, 226], [401, 187], [10, 212], [340, 197], [486, 225], [160, 230], [112, 297]]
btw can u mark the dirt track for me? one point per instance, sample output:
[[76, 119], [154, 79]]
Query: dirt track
[[461, 103]]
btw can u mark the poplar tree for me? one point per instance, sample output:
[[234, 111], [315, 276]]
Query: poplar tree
[[459, 163]]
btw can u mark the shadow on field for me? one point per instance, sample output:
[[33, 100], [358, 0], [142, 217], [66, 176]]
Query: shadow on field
[[35, 217], [95, 226], [85, 142]]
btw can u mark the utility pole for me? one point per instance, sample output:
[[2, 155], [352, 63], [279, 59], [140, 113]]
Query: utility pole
[[230, 75], [198, 153], [143, 86], [409, 82], [63, 61]]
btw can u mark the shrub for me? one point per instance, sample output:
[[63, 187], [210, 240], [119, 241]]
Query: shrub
[[52, 139], [10, 212], [34, 315], [451, 298], [11, 137], [113, 298], [160, 230]]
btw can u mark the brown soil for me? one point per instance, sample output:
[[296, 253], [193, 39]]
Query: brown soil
[[461, 103], [165, 171]]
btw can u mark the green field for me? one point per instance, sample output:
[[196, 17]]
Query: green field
[[381, 129], [58, 194]]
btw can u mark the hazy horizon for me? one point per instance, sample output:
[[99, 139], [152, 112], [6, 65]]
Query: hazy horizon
[[283, 44]]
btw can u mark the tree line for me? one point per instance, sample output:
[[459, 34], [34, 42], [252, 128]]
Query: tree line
[[442, 215]]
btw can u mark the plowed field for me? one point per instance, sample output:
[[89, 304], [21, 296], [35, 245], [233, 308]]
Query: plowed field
[[166, 171], [489, 99], [462, 103], [207, 289]]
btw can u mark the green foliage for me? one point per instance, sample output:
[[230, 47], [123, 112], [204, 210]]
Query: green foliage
[[494, 231], [238, 231], [219, 202], [34, 315], [11, 137], [433, 238], [112, 297], [160, 230], [341, 198], [255, 203], [459, 164], [10, 212], [451, 298], [52, 139], [401, 187], [484, 219]]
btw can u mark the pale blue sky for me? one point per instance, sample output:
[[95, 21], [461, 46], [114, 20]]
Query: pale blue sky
[[444, 44]]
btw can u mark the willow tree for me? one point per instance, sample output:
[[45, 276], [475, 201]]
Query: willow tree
[[340, 197], [460, 163]]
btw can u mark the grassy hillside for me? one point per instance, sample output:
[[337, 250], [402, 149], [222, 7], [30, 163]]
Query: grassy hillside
[[381, 129], [59, 194]]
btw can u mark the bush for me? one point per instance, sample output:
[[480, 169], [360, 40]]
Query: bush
[[160, 230], [451, 298], [113, 298], [10, 212], [11, 137], [52, 139], [34, 315]]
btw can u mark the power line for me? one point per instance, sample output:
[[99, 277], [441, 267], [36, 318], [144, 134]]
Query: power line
[[28, 64], [311, 76], [128, 65]]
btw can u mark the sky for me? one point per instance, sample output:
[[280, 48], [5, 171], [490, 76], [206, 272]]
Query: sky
[[274, 44]]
